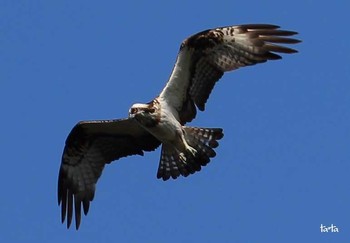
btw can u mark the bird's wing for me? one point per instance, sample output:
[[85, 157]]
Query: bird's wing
[[204, 57], [89, 146]]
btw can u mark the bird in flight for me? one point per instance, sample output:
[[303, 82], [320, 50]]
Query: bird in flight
[[202, 60]]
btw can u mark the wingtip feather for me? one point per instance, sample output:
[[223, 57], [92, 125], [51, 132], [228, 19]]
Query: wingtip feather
[[259, 26], [77, 209]]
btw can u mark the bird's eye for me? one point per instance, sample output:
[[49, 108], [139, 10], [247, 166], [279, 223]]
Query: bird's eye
[[152, 110], [133, 110]]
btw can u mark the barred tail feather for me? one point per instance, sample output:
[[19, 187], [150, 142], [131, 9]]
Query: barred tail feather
[[174, 163], [170, 164]]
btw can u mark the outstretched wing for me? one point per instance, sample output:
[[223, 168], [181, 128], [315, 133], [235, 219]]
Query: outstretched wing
[[89, 146], [204, 57]]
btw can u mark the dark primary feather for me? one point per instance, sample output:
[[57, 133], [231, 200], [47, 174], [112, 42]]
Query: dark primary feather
[[224, 49], [89, 146]]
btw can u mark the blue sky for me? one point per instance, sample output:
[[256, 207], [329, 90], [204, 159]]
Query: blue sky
[[281, 170]]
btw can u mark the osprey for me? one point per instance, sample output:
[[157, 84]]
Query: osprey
[[202, 60]]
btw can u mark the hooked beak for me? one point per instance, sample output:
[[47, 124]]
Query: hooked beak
[[134, 112]]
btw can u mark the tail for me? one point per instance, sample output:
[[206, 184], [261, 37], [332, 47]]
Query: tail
[[202, 141]]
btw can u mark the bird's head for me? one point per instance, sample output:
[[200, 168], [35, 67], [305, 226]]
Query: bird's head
[[146, 114]]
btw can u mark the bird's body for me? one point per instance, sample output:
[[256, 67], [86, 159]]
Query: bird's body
[[158, 118], [202, 60]]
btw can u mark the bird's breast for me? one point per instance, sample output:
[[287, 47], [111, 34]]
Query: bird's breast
[[167, 128]]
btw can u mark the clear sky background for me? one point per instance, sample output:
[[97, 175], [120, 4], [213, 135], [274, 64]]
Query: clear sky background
[[281, 170]]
